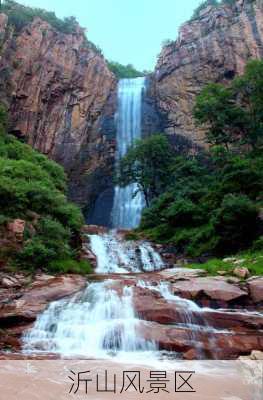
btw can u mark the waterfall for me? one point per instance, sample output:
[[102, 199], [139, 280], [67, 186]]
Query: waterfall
[[115, 255], [127, 206], [99, 322]]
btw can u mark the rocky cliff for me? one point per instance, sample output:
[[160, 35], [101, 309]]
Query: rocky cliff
[[61, 100], [215, 47]]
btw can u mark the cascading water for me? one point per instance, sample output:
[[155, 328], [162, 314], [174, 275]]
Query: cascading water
[[100, 321], [97, 323], [115, 255], [127, 206]]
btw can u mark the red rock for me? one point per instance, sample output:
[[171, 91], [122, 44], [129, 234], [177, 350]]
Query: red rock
[[215, 288], [94, 229], [61, 95], [16, 228], [255, 286], [204, 53], [36, 298]]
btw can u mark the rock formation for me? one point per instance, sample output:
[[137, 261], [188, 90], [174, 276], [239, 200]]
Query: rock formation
[[61, 100], [213, 48]]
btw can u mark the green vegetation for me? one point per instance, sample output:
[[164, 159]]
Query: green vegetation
[[19, 16], [214, 3], [253, 261], [125, 71], [147, 163], [207, 204], [202, 6], [32, 188]]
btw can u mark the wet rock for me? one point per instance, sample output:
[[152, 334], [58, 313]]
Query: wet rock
[[191, 354], [38, 296], [233, 320]]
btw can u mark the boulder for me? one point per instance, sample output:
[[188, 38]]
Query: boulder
[[214, 288], [255, 287], [35, 299]]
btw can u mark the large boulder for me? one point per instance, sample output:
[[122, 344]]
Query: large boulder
[[36, 298], [214, 288]]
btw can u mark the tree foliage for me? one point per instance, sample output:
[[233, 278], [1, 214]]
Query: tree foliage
[[147, 164], [19, 16], [233, 115], [125, 71], [33, 188]]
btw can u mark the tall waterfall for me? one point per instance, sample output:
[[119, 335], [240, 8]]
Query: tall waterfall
[[126, 212]]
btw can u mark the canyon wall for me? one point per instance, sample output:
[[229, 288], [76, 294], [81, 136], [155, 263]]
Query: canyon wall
[[213, 48], [61, 98]]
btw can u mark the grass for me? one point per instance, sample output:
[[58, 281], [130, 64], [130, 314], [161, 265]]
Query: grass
[[70, 266], [253, 261]]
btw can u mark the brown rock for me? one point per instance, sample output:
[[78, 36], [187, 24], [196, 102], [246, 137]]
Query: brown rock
[[9, 282], [35, 299], [212, 48], [61, 97], [215, 288], [256, 289]]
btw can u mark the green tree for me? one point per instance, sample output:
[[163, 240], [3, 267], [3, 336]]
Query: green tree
[[225, 120], [248, 91], [234, 115], [147, 163]]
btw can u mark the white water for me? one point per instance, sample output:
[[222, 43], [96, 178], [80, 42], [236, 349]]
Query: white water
[[115, 255], [100, 321], [97, 323], [127, 208]]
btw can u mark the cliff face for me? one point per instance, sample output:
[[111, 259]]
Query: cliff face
[[214, 48], [61, 99]]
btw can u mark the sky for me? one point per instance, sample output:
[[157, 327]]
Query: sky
[[127, 31]]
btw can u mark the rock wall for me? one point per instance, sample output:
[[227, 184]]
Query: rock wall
[[61, 99], [215, 47]]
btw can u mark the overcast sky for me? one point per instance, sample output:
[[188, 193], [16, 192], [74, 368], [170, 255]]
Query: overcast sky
[[128, 31]]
